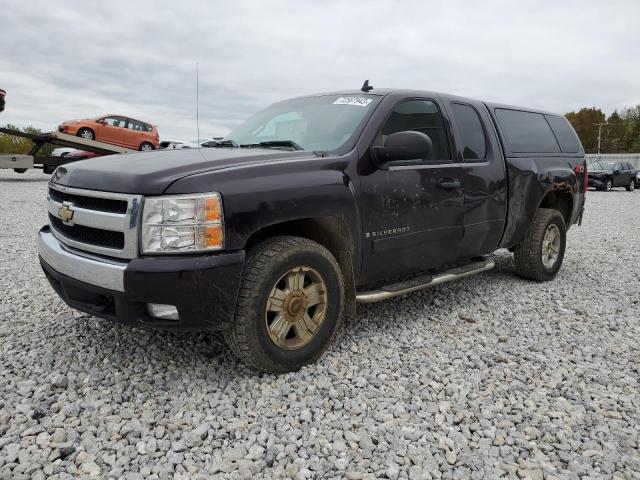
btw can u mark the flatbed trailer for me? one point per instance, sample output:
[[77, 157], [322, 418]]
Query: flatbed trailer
[[21, 163]]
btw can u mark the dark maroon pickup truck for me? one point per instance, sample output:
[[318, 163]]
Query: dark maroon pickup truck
[[311, 206]]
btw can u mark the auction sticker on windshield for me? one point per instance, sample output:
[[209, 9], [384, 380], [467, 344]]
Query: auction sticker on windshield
[[357, 101]]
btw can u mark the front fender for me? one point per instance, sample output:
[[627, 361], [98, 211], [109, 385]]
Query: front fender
[[259, 196]]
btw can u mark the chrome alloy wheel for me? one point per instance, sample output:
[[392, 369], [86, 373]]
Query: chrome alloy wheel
[[551, 246], [87, 134], [296, 307]]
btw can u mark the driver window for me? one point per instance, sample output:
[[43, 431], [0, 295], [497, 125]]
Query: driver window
[[421, 116], [114, 122]]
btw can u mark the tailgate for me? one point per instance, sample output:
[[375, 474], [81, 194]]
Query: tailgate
[[12, 160]]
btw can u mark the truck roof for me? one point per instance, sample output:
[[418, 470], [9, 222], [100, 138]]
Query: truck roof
[[381, 92], [492, 105]]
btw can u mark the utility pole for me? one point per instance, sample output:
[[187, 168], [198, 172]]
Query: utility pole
[[600, 125]]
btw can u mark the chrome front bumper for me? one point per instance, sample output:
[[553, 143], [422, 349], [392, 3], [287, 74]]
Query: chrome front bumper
[[203, 288], [91, 269]]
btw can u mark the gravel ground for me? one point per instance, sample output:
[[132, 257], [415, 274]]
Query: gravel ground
[[488, 377]]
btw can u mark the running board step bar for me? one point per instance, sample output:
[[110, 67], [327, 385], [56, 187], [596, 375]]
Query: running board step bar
[[425, 281]]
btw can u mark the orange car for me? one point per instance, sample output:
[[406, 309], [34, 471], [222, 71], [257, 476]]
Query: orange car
[[116, 130]]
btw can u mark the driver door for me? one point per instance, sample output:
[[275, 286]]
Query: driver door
[[413, 211], [112, 130]]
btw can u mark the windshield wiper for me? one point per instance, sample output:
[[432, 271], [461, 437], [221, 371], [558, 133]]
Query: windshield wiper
[[222, 144], [273, 144]]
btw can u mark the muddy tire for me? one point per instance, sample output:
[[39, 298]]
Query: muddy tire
[[539, 256], [289, 305]]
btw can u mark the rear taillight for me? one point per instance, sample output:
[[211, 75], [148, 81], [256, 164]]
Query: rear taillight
[[582, 169]]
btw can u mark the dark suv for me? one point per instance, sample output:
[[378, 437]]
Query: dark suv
[[607, 174]]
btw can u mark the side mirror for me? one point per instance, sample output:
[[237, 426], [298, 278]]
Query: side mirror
[[409, 145]]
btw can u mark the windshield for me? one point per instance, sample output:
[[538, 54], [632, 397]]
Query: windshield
[[601, 165], [328, 123]]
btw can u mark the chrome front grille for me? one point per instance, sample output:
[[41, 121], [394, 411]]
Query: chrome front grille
[[105, 223], [90, 203]]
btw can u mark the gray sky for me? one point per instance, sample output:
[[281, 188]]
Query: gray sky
[[70, 59]]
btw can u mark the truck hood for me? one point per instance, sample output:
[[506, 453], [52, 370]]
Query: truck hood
[[150, 173]]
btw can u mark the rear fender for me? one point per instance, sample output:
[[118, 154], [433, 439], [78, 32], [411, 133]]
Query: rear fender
[[531, 184]]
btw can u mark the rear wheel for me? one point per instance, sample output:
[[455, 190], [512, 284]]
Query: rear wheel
[[608, 185], [289, 305], [86, 133], [146, 146], [632, 185], [540, 254]]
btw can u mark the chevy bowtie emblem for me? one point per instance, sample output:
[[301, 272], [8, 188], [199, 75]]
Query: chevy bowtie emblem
[[65, 213]]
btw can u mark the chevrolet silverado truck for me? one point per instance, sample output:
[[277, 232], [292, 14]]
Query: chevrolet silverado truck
[[309, 207]]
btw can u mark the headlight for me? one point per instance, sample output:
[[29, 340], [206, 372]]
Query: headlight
[[182, 223]]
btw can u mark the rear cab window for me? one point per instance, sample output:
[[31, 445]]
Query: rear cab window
[[526, 132], [564, 133], [472, 138]]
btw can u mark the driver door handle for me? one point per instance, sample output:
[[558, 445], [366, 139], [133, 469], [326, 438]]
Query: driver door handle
[[449, 183]]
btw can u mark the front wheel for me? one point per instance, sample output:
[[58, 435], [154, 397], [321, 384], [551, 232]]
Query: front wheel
[[608, 185], [289, 305], [540, 254], [86, 133], [146, 147], [632, 185]]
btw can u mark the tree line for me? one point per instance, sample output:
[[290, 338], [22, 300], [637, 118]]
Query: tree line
[[620, 132]]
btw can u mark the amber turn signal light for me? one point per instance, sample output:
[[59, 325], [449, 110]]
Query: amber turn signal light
[[212, 210], [213, 236]]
